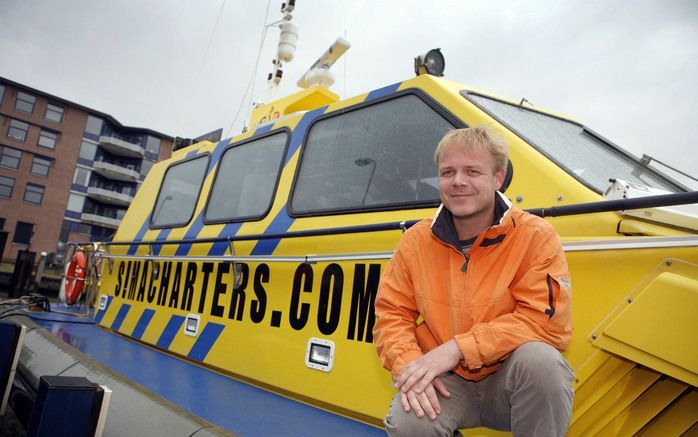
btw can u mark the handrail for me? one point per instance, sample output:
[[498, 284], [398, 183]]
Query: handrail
[[618, 205], [554, 211]]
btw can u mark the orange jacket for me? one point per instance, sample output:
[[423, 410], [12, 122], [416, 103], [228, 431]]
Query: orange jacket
[[512, 287]]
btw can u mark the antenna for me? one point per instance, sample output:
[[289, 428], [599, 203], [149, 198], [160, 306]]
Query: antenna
[[286, 48], [319, 73]]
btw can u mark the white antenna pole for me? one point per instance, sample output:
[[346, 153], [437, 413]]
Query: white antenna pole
[[286, 49]]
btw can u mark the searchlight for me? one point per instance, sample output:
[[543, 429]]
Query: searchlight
[[432, 62]]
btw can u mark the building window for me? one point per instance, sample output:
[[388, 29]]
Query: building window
[[10, 157], [88, 150], [152, 145], [94, 125], [6, 186], [18, 130], [54, 113], [40, 166], [23, 233], [25, 102], [48, 139], [2, 92], [81, 177], [75, 202], [34, 194], [146, 165]]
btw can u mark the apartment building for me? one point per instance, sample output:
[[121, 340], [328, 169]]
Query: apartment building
[[67, 172]]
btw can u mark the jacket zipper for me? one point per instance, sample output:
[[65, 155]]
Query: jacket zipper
[[464, 268]]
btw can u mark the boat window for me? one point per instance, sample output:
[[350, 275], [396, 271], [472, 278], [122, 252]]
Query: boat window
[[576, 149], [375, 157], [246, 179], [179, 192]]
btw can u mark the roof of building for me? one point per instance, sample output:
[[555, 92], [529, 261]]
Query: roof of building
[[104, 115]]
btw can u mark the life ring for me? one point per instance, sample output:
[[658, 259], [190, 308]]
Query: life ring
[[75, 277]]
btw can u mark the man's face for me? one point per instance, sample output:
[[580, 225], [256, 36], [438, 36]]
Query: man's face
[[467, 182]]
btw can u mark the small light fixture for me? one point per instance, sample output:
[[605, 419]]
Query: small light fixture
[[432, 63], [103, 299], [319, 354], [191, 324]]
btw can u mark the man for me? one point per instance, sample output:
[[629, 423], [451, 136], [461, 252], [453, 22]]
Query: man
[[474, 307]]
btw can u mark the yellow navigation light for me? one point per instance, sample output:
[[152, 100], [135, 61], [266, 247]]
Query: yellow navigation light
[[432, 62]]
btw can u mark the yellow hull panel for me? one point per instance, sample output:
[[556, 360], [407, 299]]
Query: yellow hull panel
[[252, 314]]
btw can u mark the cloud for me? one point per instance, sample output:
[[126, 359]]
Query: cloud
[[625, 70]]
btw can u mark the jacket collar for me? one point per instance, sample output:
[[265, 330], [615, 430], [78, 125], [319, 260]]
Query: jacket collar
[[444, 229]]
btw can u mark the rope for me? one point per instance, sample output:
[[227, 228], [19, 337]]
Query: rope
[[197, 79], [250, 84]]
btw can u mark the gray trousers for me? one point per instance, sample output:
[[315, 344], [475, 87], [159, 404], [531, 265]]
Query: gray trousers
[[530, 395]]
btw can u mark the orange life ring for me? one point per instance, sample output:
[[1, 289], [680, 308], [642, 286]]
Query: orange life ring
[[75, 277]]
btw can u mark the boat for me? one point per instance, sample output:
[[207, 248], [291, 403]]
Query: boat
[[238, 291]]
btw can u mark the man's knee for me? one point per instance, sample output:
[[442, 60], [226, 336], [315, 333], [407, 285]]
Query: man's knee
[[408, 424], [541, 367], [403, 424]]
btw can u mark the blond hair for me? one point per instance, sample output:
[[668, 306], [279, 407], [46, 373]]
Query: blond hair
[[477, 138]]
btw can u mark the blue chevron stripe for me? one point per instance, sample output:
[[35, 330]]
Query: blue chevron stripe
[[205, 342], [119, 319], [170, 331], [229, 230], [139, 236], [380, 92], [100, 313], [279, 225], [299, 132], [142, 324], [162, 236]]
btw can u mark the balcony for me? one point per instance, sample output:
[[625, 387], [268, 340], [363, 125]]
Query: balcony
[[100, 220], [115, 171], [109, 196], [121, 147]]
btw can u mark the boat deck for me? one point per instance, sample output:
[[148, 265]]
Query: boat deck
[[233, 405]]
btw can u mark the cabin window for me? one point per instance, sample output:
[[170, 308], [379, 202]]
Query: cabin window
[[572, 146], [375, 157], [246, 178], [179, 192]]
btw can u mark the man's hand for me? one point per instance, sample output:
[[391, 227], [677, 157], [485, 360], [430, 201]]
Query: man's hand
[[425, 402], [419, 374]]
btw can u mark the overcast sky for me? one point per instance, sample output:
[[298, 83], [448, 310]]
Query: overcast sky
[[626, 69]]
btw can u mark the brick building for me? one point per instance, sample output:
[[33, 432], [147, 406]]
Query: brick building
[[67, 172]]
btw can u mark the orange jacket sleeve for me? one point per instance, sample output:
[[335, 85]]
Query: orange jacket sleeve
[[395, 328]]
